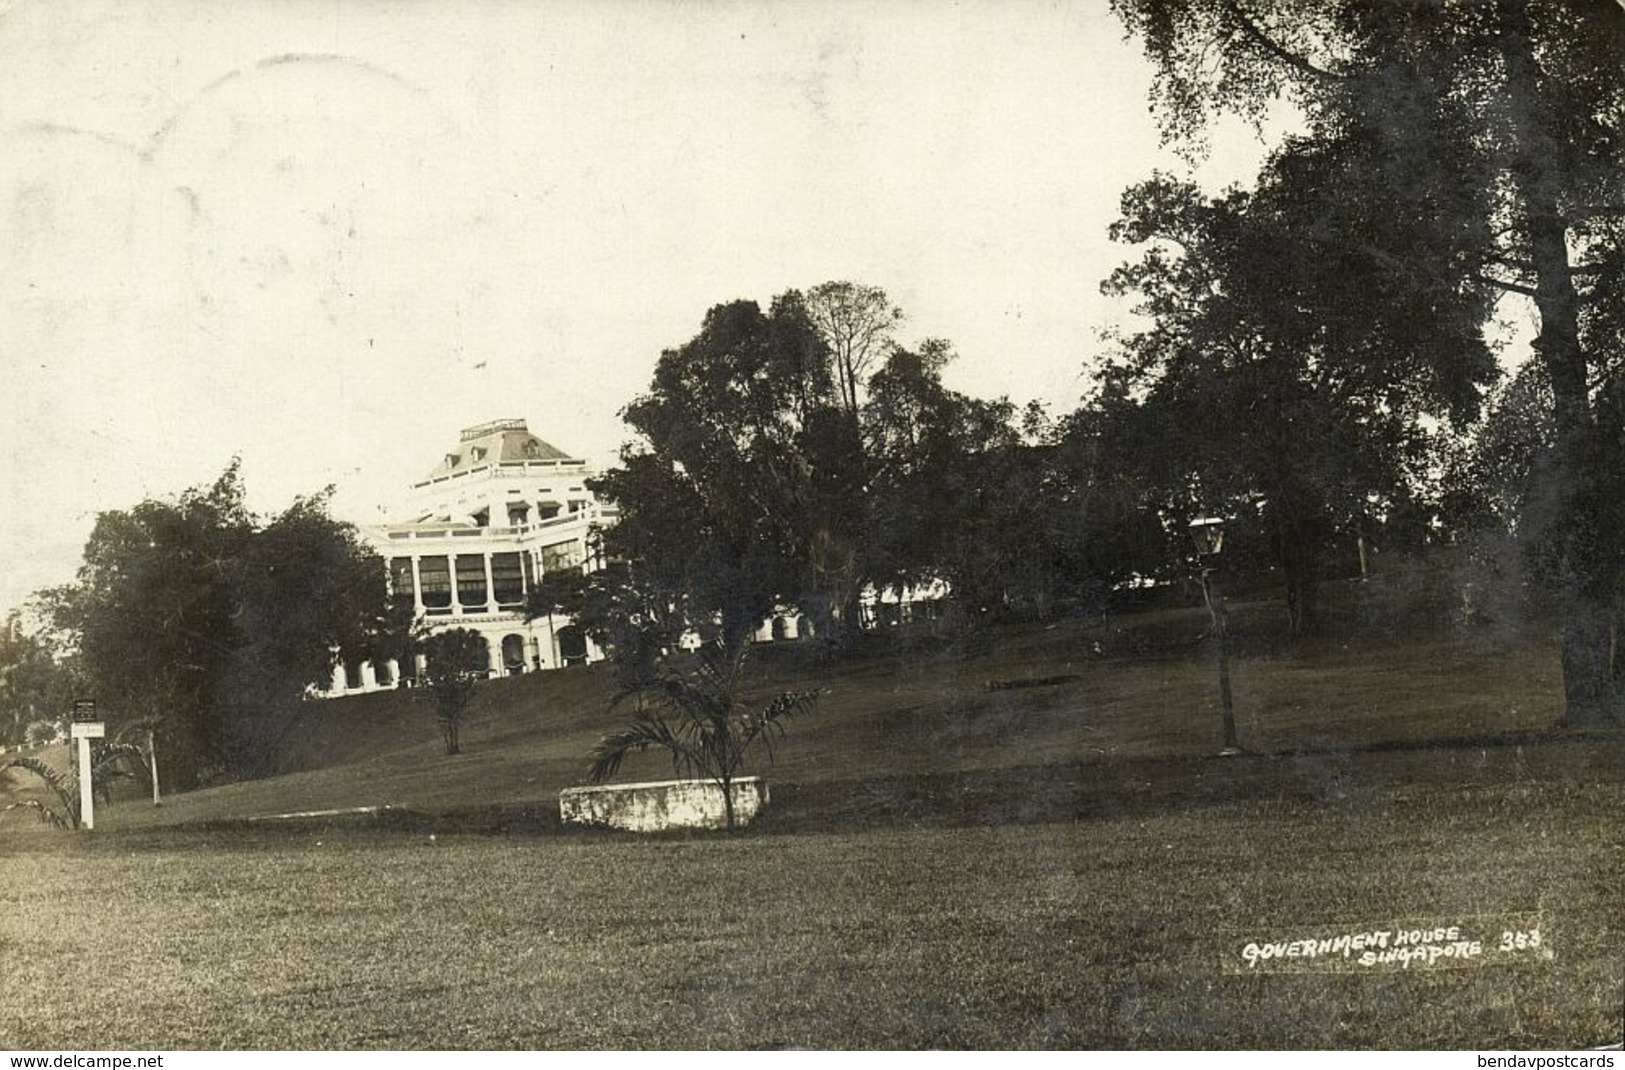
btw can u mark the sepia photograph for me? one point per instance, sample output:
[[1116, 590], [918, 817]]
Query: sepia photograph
[[832, 525]]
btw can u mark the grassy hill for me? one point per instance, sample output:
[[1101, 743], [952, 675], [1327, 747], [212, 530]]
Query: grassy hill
[[1136, 689]]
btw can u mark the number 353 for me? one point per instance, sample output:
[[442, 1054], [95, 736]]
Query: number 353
[[1520, 941]]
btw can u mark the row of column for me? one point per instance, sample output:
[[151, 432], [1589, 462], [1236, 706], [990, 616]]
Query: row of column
[[369, 676], [789, 627], [456, 607], [530, 650]]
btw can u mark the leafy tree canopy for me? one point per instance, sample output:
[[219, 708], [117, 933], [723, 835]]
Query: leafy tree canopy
[[196, 616], [1289, 378], [456, 660], [796, 455], [35, 683], [1524, 102]]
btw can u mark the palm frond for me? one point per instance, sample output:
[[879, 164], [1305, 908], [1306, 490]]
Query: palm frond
[[106, 763], [46, 814], [60, 785], [698, 700], [786, 703], [644, 732], [765, 722], [107, 768]]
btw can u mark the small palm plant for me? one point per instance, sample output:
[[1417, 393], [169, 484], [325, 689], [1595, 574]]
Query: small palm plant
[[697, 715], [107, 765], [65, 812]]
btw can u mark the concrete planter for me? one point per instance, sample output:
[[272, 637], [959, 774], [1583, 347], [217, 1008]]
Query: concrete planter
[[663, 804]]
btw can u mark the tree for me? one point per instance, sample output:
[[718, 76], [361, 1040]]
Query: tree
[[1532, 92], [304, 587], [718, 500], [856, 324], [765, 477], [457, 659], [35, 684], [947, 480], [697, 715], [195, 617], [636, 620], [42, 733], [1099, 528], [1269, 391]]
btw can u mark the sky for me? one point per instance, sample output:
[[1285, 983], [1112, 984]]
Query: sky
[[324, 237]]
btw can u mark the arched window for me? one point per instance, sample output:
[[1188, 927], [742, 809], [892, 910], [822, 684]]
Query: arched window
[[572, 645], [513, 654]]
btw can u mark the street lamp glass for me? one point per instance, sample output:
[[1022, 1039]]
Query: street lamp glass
[[1208, 534]]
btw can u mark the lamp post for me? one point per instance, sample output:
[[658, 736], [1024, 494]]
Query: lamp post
[[1208, 535]]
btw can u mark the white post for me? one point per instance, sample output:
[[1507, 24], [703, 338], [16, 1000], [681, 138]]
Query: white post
[[83, 732], [152, 759], [87, 794]]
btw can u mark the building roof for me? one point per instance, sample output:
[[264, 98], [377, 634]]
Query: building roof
[[495, 441]]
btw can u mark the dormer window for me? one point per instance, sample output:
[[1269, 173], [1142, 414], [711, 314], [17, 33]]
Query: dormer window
[[477, 453], [451, 460]]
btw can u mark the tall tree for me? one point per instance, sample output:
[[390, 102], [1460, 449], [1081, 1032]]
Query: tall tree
[[1533, 91], [763, 479], [1273, 391], [35, 684], [947, 498], [718, 499], [193, 615], [856, 323]]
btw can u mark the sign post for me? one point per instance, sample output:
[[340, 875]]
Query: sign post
[[152, 757], [86, 728]]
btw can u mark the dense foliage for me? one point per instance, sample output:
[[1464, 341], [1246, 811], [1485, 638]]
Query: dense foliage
[[798, 456], [1488, 145], [455, 661], [205, 622], [1288, 379], [37, 687]]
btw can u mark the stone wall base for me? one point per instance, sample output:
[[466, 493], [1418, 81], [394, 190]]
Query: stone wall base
[[660, 805]]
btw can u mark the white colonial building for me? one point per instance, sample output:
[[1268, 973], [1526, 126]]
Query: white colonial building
[[501, 510]]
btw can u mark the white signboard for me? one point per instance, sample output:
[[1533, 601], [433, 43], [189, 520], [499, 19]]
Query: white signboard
[[88, 730]]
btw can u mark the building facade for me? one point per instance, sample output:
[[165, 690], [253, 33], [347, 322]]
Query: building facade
[[501, 510]]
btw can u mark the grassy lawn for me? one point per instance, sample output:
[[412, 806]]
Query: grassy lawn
[[944, 865], [1110, 932]]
